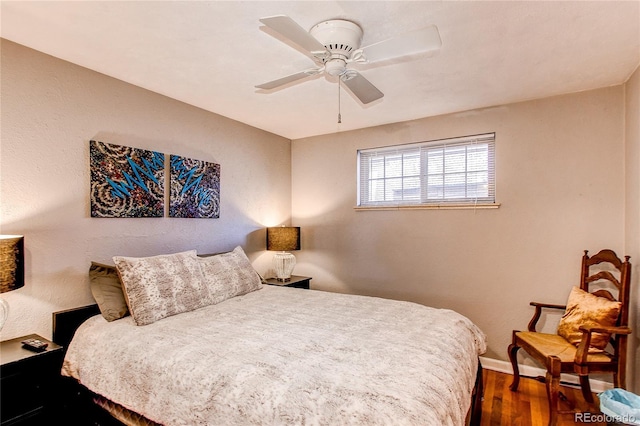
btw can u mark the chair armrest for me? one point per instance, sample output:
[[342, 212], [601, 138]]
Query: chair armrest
[[538, 312], [604, 329], [585, 343], [548, 305]]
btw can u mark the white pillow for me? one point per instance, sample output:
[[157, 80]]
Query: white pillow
[[229, 274], [160, 286]]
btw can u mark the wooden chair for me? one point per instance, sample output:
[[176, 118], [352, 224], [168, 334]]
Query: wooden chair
[[559, 356]]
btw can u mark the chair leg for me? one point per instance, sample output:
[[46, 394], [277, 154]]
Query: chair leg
[[553, 388], [513, 356], [619, 377], [586, 388], [616, 381], [620, 374]]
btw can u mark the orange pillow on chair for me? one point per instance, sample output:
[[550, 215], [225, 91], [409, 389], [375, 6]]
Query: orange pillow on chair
[[584, 308]]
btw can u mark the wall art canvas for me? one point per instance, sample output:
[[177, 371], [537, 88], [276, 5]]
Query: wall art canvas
[[195, 188], [126, 182]]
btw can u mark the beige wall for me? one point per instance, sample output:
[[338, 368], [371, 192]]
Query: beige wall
[[632, 211], [560, 180], [50, 111]]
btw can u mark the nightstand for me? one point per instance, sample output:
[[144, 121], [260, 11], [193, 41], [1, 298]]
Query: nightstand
[[28, 382], [296, 281]]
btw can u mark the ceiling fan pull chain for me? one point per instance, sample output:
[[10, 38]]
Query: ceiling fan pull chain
[[339, 115]]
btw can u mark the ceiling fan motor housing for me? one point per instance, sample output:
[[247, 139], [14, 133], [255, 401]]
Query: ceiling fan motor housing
[[341, 38]]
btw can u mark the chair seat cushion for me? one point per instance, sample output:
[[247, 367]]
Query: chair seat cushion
[[554, 345]]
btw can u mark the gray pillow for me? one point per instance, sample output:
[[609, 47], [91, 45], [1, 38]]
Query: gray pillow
[[106, 288]]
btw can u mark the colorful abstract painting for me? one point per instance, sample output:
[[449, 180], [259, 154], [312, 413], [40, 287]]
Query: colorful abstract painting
[[126, 182], [195, 188]]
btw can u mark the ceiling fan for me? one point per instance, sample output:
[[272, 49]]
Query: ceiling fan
[[334, 45]]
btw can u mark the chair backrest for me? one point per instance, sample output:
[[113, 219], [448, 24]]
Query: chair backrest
[[593, 271]]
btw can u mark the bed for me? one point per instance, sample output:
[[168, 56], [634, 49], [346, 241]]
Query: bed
[[275, 356]]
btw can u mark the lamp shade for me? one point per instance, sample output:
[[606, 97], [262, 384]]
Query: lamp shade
[[11, 262], [283, 238]]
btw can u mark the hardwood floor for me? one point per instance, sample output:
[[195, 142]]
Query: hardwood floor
[[528, 406]]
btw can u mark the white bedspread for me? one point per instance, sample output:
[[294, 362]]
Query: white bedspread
[[284, 356]]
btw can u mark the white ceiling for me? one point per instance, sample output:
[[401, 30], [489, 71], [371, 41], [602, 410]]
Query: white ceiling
[[211, 54]]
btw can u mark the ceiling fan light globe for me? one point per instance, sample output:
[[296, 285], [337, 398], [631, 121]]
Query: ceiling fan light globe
[[335, 67]]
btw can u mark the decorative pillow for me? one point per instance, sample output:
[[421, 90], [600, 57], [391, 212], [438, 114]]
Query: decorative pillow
[[106, 288], [229, 274], [584, 308], [160, 286]]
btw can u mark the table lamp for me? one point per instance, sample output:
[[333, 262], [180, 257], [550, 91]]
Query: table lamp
[[283, 239], [11, 269]]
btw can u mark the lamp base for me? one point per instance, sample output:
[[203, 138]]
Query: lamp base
[[4, 312], [283, 264]]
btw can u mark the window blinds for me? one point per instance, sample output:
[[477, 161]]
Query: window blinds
[[449, 171]]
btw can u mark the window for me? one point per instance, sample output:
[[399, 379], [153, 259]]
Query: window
[[447, 172]]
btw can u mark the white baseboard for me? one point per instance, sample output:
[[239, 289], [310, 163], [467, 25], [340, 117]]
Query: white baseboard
[[597, 386]]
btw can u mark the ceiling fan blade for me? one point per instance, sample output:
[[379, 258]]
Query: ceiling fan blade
[[288, 79], [363, 89], [288, 28], [419, 41]]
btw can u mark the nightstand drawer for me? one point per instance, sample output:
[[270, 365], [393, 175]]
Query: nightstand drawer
[[28, 383]]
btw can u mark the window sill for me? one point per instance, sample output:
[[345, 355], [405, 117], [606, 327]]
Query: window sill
[[430, 207]]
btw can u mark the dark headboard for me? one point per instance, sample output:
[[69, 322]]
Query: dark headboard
[[66, 322]]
